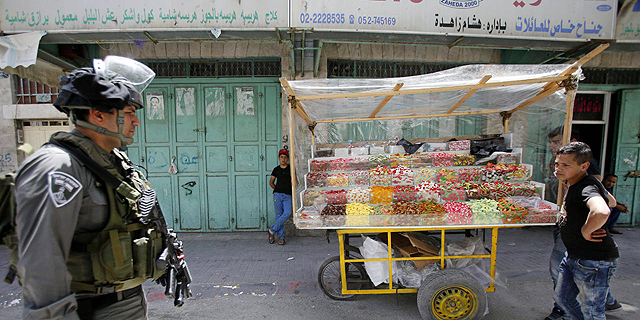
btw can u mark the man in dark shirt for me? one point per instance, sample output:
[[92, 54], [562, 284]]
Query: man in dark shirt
[[592, 254], [281, 184]]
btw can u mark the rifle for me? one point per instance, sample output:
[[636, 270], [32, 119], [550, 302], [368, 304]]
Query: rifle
[[177, 277]]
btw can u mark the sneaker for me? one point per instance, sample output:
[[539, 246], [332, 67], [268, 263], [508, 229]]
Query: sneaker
[[613, 307], [556, 314]]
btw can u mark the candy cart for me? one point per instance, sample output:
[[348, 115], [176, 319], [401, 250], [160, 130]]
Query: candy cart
[[350, 173]]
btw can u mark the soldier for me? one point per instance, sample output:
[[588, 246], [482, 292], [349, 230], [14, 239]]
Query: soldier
[[84, 249]]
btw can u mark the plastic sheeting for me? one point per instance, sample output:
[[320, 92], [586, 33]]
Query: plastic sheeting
[[528, 127]]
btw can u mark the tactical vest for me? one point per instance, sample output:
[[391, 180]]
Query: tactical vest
[[123, 255]]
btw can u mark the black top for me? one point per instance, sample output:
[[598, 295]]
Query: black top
[[575, 203], [283, 179], [594, 168]]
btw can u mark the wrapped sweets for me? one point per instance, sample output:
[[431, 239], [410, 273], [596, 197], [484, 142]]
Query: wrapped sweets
[[463, 159], [512, 213], [470, 175], [442, 159], [524, 190], [333, 216], [317, 179], [336, 197], [359, 209], [501, 190], [399, 159], [340, 164], [382, 209], [359, 164], [378, 160], [424, 175], [542, 213], [476, 191], [358, 195], [380, 176], [401, 175], [406, 213], [381, 194], [446, 176], [428, 191], [518, 173], [310, 196], [485, 211], [382, 215], [508, 158], [358, 214], [338, 180], [432, 214], [320, 165], [404, 193], [458, 213], [359, 178], [452, 193], [459, 145], [334, 210], [421, 160]]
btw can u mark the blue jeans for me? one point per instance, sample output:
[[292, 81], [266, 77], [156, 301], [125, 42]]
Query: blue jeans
[[282, 204], [588, 279], [557, 254], [613, 218]]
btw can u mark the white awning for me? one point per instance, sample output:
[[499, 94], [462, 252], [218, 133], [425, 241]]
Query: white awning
[[20, 49]]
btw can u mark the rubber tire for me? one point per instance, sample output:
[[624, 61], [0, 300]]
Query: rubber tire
[[435, 286], [354, 269]]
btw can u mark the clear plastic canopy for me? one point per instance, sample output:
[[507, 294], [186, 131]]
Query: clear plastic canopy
[[503, 98]]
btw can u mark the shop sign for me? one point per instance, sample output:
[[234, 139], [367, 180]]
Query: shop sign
[[545, 19], [144, 14]]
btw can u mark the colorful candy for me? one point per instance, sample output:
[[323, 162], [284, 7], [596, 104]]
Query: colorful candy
[[340, 164], [359, 195], [336, 197], [404, 193], [485, 211], [381, 194], [458, 213], [338, 180], [359, 178], [380, 176], [401, 175], [317, 179]]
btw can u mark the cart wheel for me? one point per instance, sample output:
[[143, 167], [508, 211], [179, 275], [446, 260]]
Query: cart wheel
[[451, 294], [331, 283]]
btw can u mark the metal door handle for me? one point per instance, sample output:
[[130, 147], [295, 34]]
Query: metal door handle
[[230, 158], [261, 158]]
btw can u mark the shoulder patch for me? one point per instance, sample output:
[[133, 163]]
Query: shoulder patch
[[62, 188]]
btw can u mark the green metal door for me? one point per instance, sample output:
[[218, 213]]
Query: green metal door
[[219, 135], [627, 189]]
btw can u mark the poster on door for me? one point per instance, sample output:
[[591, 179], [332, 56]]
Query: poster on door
[[155, 106]]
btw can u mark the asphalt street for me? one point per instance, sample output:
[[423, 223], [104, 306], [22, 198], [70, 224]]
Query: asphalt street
[[242, 276]]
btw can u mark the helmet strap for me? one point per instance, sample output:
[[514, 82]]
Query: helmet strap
[[118, 134]]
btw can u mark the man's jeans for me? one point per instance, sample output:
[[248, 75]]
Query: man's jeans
[[588, 279], [282, 204], [557, 254]]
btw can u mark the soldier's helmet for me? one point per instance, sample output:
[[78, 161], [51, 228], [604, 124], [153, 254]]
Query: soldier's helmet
[[112, 83]]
